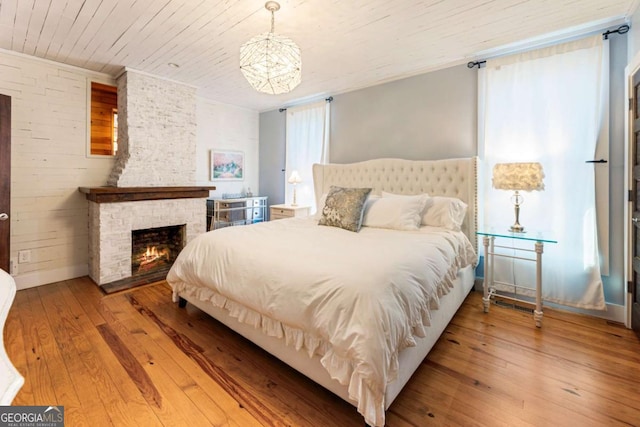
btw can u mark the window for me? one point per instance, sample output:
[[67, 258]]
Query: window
[[548, 106], [307, 142], [104, 119], [114, 134]]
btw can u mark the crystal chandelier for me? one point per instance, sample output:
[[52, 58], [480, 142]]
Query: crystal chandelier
[[270, 62]]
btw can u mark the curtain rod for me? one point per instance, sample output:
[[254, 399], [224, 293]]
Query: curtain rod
[[329, 99], [622, 29]]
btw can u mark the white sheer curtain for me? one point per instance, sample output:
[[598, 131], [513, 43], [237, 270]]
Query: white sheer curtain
[[545, 106], [307, 143]]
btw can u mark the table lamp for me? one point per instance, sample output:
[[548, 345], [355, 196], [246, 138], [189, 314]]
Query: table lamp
[[518, 177], [294, 179]]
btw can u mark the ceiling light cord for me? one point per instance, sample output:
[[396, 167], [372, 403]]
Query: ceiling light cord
[[273, 7]]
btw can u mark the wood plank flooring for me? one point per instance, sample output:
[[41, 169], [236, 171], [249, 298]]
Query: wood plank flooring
[[135, 359]]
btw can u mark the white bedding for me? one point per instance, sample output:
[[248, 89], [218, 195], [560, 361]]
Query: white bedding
[[356, 299]]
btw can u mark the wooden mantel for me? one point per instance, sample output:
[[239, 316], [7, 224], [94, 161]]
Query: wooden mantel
[[132, 194]]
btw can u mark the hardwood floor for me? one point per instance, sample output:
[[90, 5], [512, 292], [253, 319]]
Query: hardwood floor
[[136, 359]]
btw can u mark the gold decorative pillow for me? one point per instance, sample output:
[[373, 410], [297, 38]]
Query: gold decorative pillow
[[344, 208]]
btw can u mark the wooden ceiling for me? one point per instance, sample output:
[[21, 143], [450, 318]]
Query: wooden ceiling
[[346, 44]]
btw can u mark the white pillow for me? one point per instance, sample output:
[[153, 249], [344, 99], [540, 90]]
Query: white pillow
[[318, 214], [427, 205], [396, 213], [446, 212], [440, 211]]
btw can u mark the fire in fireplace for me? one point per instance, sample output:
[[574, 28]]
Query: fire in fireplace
[[153, 250]]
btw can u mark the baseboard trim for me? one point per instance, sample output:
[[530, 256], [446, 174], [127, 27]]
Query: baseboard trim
[[44, 277], [614, 313]]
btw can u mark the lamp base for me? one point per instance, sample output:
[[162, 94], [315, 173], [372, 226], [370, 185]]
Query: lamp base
[[517, 228], [517, 200]]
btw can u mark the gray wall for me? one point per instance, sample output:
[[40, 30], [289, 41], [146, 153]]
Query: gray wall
[[633, 36], [614, 286], [430, 116], [272, 156], [434, 116]]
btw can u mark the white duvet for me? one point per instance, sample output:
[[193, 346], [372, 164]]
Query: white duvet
[[355, 299]]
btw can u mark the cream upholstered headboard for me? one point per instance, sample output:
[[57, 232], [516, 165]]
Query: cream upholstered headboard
[[449, 177]]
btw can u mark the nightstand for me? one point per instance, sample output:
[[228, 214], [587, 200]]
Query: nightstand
[[287, 211], [538, 239]]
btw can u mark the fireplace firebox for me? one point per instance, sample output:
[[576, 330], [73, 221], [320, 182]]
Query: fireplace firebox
[[153, 250]]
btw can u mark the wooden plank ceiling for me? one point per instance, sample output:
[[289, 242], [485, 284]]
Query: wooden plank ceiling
[[345, 44]]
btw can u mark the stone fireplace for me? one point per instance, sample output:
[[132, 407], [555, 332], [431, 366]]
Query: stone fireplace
[[152, 185], [113, 223]]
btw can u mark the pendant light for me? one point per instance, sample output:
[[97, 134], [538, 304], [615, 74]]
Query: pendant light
[[270, 62]]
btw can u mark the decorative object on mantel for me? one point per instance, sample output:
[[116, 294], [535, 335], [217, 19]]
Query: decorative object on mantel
[[518, 177], [271, 63], [294, 179]]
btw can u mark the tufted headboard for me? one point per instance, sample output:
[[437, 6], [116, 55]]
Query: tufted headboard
[[449, 177]]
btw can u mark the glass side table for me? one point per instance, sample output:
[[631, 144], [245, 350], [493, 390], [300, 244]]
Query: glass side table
[[538, 239]]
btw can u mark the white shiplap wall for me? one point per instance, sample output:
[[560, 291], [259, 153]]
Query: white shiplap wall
[[49, 163], [222, 126]]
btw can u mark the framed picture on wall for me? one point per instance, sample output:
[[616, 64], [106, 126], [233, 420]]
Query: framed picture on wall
[[227, 165]]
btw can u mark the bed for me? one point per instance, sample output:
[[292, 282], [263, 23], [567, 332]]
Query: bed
[[355, 312]]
